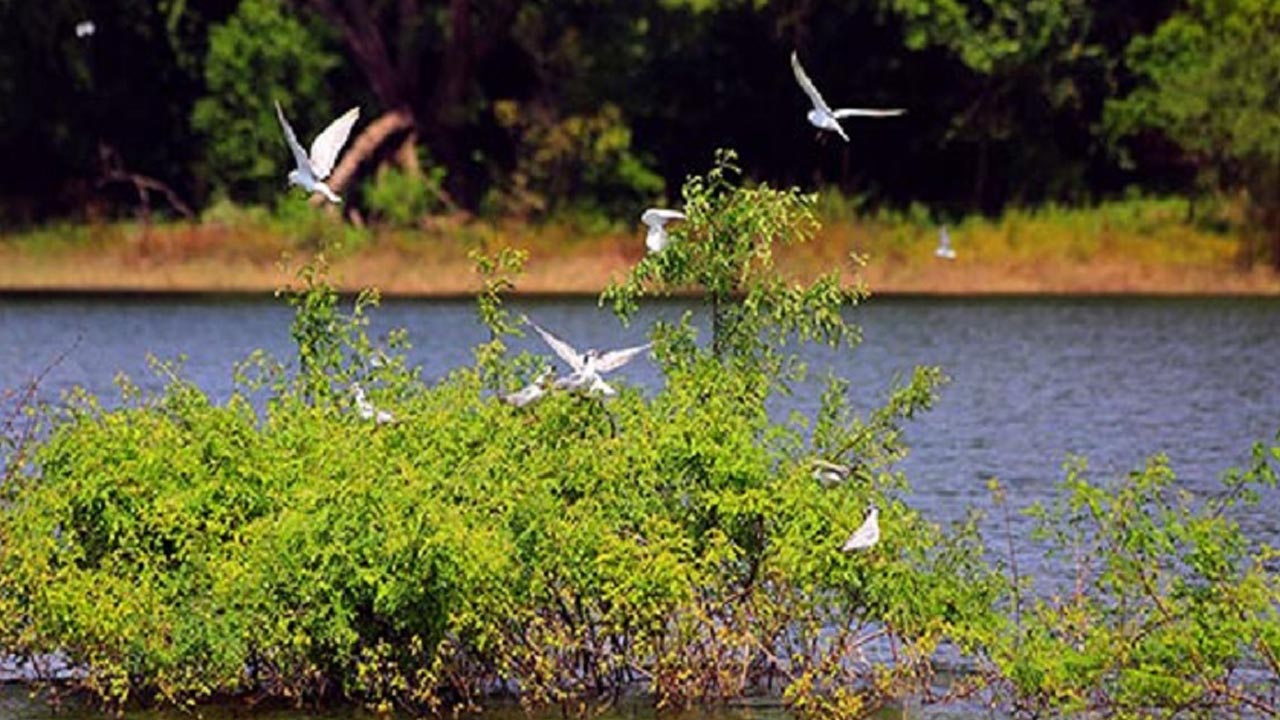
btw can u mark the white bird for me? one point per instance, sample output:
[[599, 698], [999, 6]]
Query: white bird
[[85, 28], [530, 393], [945, 251], [829, 473], [867, 534], [367, 411], [822, 116], [656, 218], [314, 168], [588, 366]]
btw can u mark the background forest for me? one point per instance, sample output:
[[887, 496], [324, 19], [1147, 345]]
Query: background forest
[[525, 109]]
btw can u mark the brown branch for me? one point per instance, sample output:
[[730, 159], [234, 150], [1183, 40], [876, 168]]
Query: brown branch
[[113, 171]]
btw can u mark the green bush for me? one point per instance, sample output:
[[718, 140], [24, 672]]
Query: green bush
[[403, 198], [1170, 608]]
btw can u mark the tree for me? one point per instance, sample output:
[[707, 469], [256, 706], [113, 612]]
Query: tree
[[1208, 79], [261, 54], [1028, 64], [398, 46]]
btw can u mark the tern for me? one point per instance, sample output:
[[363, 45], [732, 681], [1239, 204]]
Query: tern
[[314, 168], [822, 116], [367, 411], [530, 393], [945, 251], [829, 473], [657, 218], [867, 534], [588, 366]]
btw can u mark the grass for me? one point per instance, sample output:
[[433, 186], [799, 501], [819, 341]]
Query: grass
[[1140, 245]]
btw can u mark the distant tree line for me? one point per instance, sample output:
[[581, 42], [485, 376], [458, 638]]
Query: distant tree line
[[530, 107]]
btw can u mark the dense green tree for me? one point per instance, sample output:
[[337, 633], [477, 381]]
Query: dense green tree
[[552, 104], [262, 53], [1209, 79]]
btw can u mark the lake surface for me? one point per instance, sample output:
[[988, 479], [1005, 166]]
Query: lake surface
[[1033, 380]]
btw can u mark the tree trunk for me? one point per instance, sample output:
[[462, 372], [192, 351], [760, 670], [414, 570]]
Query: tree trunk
[[367, 143]]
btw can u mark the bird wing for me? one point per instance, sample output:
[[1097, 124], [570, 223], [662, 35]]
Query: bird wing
[[615, 359], [327, 145], [561, 348], [657, 217], [842, 470], [867, 112], [295, 147], [807, 85]]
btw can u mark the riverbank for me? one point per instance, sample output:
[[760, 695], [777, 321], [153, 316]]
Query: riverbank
[[1140, 247]]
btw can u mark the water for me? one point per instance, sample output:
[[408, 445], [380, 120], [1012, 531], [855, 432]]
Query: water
[[1033, 380]]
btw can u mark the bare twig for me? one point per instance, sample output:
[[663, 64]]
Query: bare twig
[[113, 171]]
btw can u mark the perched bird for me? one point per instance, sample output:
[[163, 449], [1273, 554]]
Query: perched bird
[[367, 411], [314, 168], [945, 251], [656, 239], [85, 28], [530, 393], [867, 534], [588, 366], [829, 473], [822, 116]]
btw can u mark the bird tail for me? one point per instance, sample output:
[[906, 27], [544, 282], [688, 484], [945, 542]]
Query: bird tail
[[330, 195]]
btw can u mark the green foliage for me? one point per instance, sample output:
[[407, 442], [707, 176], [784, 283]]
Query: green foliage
[[1168, 606], [1207, 82], [404, 198], [580, 159], [725, 249], [261, 54]]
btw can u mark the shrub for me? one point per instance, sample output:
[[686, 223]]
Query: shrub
[[404, 198]]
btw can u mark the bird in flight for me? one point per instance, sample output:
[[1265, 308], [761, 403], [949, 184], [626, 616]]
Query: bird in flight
[[85, 28], [588, 366], [367, 411], [530, 393], [314, 168], [656, 218], [867, 534], [822, 116], [945, 251]]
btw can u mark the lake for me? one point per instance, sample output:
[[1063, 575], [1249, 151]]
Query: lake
[[1032, 380]]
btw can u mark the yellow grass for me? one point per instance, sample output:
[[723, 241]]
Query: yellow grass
[[1141, 247]]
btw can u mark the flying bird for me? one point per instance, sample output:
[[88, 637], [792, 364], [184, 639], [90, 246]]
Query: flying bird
[[314, 168], [656, 218], [530, 393], [867, 534], [822, 116], [85, 28], [945, 251], [588, 366], [367, 411]]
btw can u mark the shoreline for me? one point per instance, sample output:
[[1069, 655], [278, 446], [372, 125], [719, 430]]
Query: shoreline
[[1149, 252]]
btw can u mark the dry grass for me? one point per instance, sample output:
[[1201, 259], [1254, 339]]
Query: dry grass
[[1138, 247]]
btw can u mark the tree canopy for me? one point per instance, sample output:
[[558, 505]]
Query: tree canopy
[[529, 107]]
